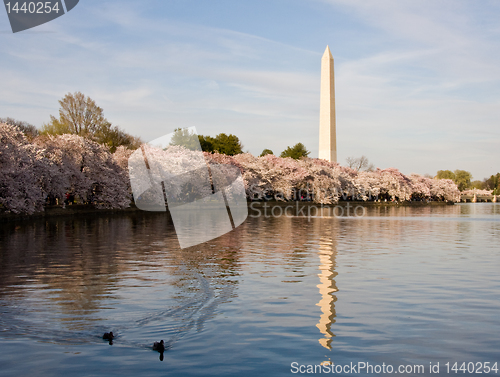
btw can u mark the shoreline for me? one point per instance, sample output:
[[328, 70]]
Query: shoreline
[[88, 210]]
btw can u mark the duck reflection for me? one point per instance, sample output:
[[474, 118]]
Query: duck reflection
[[160, 347], [327, 288], [109, 336]]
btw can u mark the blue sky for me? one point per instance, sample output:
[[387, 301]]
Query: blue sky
[[417, 82]]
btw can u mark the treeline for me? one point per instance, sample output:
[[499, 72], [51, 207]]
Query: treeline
[[81, 155], [44, 170]]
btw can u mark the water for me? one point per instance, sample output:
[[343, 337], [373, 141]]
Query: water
[[401, 286]]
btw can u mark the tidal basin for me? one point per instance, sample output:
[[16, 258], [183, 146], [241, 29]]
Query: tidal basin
[[397, 286]]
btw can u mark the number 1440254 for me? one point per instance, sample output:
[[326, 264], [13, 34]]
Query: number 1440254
[[33, 7], [471, 367]]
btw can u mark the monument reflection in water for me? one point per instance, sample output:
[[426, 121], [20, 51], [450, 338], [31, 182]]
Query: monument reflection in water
[[327, 288]]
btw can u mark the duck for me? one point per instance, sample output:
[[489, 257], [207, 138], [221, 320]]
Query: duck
[[108, 335], [159, 346]]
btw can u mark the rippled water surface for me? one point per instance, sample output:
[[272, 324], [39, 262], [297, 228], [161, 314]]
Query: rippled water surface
[[401, 286]]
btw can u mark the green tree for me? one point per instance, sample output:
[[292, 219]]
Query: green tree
[[462, 179], [206, 143], [493, 183], [222, 143], [227, 144], [445, 174], [477, 185], [113, 137], [265, 152], [297, 151], [80, 115], [54, 127]]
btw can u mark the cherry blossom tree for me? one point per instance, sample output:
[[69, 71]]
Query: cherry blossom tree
[[367, 185], [444, 189], [477, 192], [326, 180], [86, 169], [121, 156], [270, 176], [421, 187], [19, 187], [395, 184]]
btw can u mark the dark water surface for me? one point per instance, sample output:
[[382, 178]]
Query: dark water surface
[[401, 286]]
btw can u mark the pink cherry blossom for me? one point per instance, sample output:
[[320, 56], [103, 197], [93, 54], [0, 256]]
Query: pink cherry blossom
[[52, 166]]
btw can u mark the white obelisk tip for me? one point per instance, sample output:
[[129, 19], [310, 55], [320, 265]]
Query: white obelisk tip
[[327, 53]]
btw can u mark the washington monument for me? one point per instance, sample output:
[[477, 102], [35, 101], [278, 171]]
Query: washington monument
[[327, 128]]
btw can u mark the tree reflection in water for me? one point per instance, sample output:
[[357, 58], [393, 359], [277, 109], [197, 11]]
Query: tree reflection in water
[[125, 273]]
